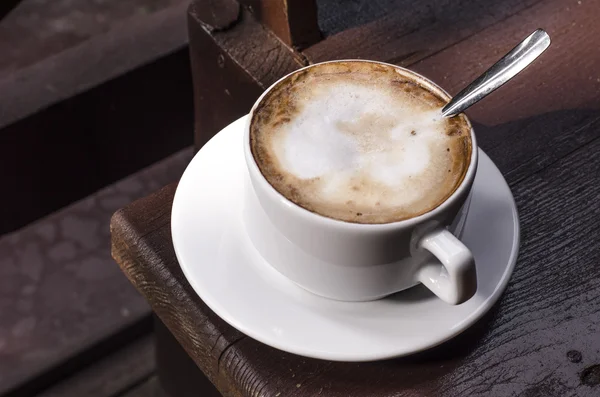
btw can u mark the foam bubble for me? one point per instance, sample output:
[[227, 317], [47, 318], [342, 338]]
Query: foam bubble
[[352, 129], [312, 147], [355, 146]]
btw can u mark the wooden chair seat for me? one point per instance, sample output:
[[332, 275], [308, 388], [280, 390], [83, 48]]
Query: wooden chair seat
[[542, 132]]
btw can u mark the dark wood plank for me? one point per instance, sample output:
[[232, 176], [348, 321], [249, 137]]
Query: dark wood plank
[[104, 132], [197, 325], [552, 306], [550, 312], [522, 147], [231, 66], [336, 16], [216, 14], [129, 367], [514, 350], [558, 81], [414, 31], [35, 30], [86, 105], [61, 293], [551, 108], [293, 21], [128, 45]]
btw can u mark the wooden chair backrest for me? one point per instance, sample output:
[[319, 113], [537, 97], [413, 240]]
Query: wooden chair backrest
[[293, 21]]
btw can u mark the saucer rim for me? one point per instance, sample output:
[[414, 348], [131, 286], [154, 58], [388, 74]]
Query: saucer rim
[[485, 306]]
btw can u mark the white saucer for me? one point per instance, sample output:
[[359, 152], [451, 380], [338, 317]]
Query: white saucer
[[227, 273]]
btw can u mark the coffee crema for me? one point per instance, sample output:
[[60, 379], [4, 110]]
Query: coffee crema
[[359, 142]]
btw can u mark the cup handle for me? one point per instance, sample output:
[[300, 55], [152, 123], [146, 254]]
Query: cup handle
[[455, 279]]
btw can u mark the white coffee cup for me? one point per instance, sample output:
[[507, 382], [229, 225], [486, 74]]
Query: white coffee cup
[[360, 262]]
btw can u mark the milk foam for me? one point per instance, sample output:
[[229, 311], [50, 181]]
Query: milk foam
[[359, 142], [349, 132]]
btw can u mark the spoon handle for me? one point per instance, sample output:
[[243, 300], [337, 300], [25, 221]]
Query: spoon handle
[[502, 71]]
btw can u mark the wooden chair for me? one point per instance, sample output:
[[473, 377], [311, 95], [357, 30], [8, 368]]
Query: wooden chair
[[541, 130]]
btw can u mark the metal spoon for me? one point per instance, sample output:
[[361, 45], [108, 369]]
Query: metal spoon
[[502, 71]]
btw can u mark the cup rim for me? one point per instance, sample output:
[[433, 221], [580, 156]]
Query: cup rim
[[331, 222]]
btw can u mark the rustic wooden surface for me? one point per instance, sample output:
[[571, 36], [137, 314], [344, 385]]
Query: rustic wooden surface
[[293, 21], [61, 295], [412, 32], [566, 77], [543, 337], [156, 217], [33, 30], [337, 16], [228, 75]]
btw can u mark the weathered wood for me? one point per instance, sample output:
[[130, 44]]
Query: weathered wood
[[293, 21], [228, 76], [131, 365], [549, 136], [504, 354], [559, 81], [216, 15], [62, 294], [551, 307], [541, 339], [414, 31], [336, 16], [531, 103], [194, 318]]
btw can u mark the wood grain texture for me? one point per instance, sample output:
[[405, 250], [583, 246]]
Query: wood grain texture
[[193, 324], [566, 76], [293, 21], [231, 68], [216, 14], [35, 30], [265, 62], [414, 31], [551, 308], [525, 146], [541, 339], [60, 292]]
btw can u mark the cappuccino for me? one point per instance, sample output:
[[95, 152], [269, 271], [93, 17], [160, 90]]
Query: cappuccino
[[359, 142]]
